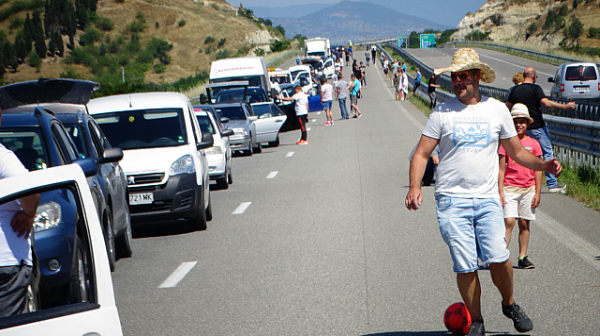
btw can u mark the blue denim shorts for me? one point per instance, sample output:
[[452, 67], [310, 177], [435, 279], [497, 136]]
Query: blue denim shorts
[[473, 228], [327, 105]]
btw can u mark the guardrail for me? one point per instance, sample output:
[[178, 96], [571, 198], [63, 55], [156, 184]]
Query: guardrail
[[548, 58], [575, 133]]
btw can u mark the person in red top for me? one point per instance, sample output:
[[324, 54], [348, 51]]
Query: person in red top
[[520, 188]]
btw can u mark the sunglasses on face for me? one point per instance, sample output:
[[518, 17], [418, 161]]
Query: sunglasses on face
[[460, 75]]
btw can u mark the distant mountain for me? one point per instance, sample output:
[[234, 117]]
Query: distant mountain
[[294, 11], [356, 21]]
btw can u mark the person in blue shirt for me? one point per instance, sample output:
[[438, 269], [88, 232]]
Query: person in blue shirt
[[355, 92], [418, 79]]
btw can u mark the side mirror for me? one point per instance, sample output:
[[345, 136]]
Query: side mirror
[[89, 166], [203, 98], [207, 141], [226, 133], [224, 120], [252, 118], [550, 79], [111, 155]]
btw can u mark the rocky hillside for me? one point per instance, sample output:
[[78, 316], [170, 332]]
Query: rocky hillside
[[184, 23], [541, 23]]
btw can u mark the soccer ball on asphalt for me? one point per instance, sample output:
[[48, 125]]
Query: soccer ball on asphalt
[[457, 319]]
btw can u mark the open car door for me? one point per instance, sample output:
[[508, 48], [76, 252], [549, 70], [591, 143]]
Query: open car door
[[97, 313]]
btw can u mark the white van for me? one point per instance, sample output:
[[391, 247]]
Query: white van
[[318, 46], [251, 69], [166, 167], [576, 81]]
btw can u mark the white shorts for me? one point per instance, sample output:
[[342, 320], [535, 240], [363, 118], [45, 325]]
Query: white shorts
[[518, 202]]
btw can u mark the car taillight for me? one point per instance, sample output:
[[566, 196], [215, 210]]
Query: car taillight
[[598, 86], [562, 87]]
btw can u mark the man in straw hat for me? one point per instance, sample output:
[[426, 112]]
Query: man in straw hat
[[468, 129]]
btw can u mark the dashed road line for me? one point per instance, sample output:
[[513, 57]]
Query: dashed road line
[[241, 208], [290, 154], [178, 274], [272, 175], [308, 128]]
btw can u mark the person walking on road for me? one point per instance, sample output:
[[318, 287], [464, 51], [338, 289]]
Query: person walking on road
[[533, 97], [297, 59], [367, 57], [327, 100], [374, 53], [341, 92], [16, 256], [468, 129], [403, 84], [431, 90], [395, 66], [520, 188], [418, 79], [363, 75], [301, 109], [385, 69], [355, 92]]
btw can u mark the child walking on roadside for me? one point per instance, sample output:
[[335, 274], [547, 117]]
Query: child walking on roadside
[[520, 188]]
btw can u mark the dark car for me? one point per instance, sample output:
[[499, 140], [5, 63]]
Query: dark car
[[40, 140], [91, 143]]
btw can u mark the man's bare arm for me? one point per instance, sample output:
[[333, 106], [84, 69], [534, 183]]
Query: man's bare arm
[[426, 145]]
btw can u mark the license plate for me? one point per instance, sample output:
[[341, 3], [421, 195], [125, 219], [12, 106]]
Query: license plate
[[581, 88], [145, 198]]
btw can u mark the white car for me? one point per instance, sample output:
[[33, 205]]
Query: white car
[[164, 161], [97, 314], [219, 155], [270, 120]]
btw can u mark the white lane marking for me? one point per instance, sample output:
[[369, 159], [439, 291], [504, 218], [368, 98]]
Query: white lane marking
[[313, 120], [272, 175], [318, 113], [568, 238], [290, 154], [241, 208], [308, 128], [513, 64], [178, 274]]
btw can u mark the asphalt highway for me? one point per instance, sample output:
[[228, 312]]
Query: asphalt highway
[[315, 240]]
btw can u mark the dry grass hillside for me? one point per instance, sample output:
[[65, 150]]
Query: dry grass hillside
[[202, 18], [507, 22]]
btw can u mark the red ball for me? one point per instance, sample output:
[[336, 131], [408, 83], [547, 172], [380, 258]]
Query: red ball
[[457, 319]]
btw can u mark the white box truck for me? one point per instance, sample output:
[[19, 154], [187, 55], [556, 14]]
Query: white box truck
[[251, 69], [318, 46]]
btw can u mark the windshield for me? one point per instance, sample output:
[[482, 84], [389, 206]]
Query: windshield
[[581, 73], [77, 135], [253, 95], [205, 124], [27, 146], [144, 128], [281, 78], [253, 80], [297, 72], [233, 113]]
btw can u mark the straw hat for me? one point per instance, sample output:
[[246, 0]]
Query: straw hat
[[520, 111], [467, 59]]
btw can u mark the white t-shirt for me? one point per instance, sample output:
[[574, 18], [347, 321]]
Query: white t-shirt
[[326, 92], [469, 138], [301, 107], [13, 249]]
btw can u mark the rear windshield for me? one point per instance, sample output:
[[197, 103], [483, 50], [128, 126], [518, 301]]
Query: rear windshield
[[144, 128], [233, 113], [27, 145], [252, 95], [581, 73], [254, 80]]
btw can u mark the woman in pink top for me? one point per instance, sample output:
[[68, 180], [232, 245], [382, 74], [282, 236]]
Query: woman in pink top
[[520, 188]]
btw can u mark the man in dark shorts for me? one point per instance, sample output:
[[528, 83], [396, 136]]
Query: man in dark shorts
[[431, 90]]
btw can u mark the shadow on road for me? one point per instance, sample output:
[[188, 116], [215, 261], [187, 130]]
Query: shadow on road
[[161, 229]]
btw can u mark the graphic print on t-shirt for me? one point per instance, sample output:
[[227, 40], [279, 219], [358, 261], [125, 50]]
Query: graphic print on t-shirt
[[469, 134]]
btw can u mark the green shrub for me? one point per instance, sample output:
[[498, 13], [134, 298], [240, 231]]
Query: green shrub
[[104, 24], [91, 35], [209, 39], [259, 52], [181, 23], [159, 68], [34, 60], [224, 53], [243, 51], [575, 29], [213, 5], [594, 32], [221, 42], [208, 50], [532, 28], [278, 45], [15, 23]]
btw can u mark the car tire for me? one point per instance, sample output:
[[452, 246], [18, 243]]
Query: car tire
[[230, 178], [222, 183], [78, 283], [125, 241], [249, 151], [274, 143], [198, 223], [109, 240], [209, 214]]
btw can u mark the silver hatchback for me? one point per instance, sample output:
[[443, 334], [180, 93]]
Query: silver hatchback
[[576, 81]]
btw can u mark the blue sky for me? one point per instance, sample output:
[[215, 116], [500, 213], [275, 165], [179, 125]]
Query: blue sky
[[447, 12]]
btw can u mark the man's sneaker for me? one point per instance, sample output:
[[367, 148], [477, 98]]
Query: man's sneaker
[[525, 263], [476, 329], [302, 142], [558, 188], [355, 116], [327, 123], [360, 115], [331, 123], [521, 321]]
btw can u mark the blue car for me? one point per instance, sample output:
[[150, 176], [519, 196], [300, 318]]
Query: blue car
[[40, 141]]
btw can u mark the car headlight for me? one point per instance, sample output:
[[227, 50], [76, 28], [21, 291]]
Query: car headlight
[[213, 150], [47, 216], [239, 131], [184, 164]]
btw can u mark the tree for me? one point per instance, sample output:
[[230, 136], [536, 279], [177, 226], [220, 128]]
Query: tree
[[9, 55], [575, 29], [37, 25], [40, 46], [159, 49]]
